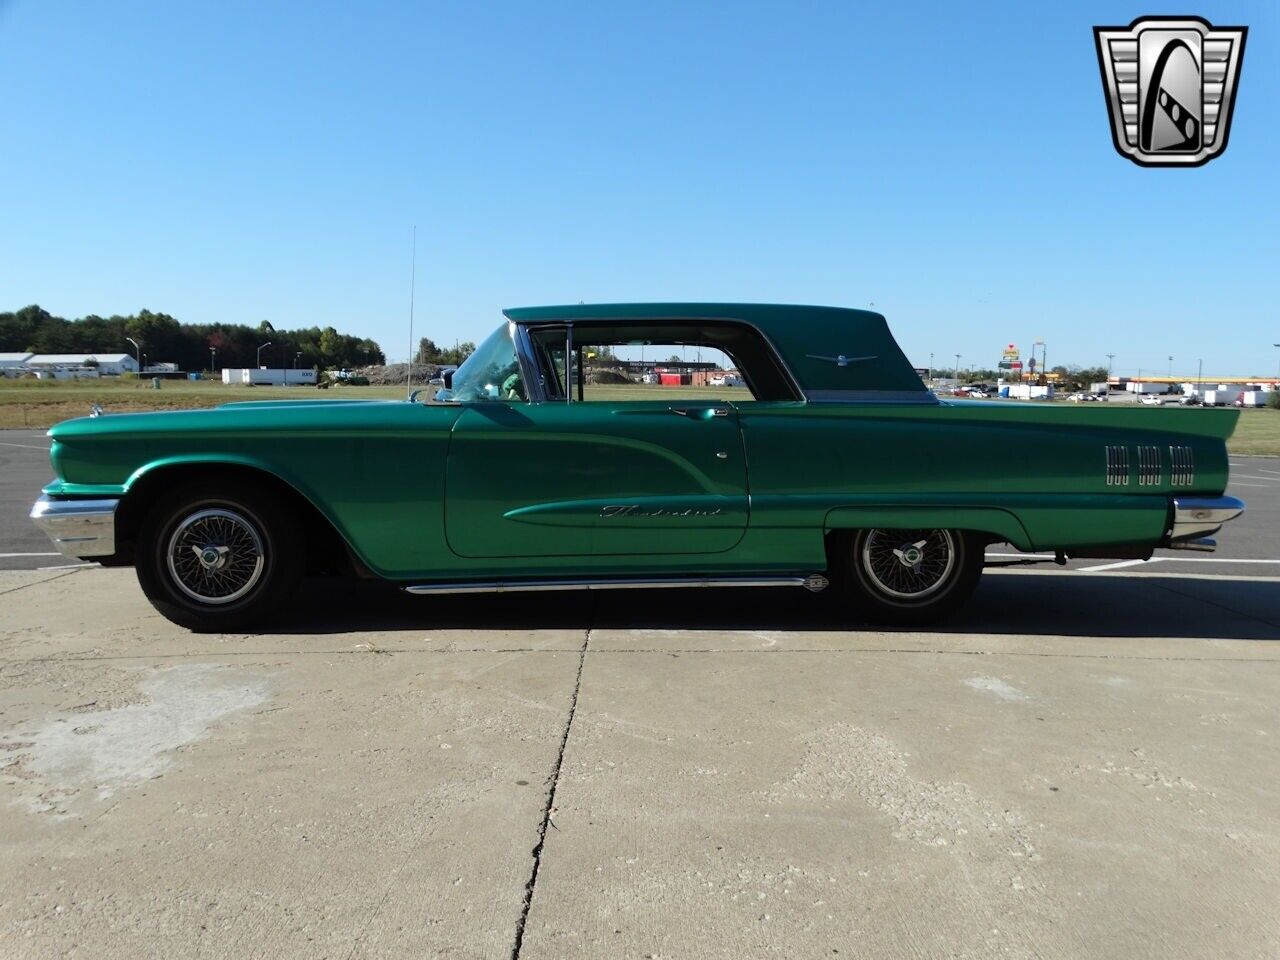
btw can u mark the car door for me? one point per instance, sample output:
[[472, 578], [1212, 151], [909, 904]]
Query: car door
[[595, 479]]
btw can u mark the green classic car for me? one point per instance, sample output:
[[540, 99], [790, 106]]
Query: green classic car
[[557, 457]]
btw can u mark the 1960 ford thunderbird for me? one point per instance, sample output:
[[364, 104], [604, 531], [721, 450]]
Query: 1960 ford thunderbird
[[557, 457]]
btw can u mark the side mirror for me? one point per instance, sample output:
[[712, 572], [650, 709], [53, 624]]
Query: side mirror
[[447, 376]]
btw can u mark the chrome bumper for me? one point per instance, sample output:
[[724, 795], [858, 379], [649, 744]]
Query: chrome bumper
[[1198, 517], [78, 528]]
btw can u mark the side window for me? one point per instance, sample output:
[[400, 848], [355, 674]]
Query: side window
[[658, 360], [659, 370]]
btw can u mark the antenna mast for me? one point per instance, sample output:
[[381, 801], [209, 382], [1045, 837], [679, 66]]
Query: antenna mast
[[413, 278]]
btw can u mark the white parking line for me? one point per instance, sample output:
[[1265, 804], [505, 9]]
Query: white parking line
[[1117, 566], [68, 566], [25, 446], [1264, 486], [1214, 560], [1250, 476], [6, 556]]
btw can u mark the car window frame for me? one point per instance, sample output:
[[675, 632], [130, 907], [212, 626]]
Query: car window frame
[[538, 382]]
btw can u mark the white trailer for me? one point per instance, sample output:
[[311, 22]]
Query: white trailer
[[1253, 398], [1144, 387], [268, 377], [1221, 397]]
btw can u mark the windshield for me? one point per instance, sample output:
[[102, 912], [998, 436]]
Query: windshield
[[491, 373]]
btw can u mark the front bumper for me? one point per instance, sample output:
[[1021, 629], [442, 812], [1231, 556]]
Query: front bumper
[[1196, 518], [80, 529]]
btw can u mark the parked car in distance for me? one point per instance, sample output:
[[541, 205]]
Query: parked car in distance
[[1082, 397], [835, 469], [1157, 399]]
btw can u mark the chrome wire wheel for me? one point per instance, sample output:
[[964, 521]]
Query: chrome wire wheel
[[908, 565], [215, 556]]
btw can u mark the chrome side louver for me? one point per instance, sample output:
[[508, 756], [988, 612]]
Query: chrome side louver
[[1150, 466], [1182, 465], [1117, 465]]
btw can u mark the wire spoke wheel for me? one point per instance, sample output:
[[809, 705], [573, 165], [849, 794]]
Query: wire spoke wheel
[[908, 565], [215, 556]]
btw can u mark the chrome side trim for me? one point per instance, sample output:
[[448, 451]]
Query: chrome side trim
[[633, 583], [78, 528], [1196, 517], [872, 396]]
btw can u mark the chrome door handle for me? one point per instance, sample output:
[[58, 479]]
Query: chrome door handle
[[706, 411]]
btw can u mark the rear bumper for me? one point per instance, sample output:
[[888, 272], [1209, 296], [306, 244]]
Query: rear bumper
[[1197, 517], [80, 529]]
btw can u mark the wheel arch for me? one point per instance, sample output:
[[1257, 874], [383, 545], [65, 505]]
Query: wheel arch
[[995, 522], [325, 538]]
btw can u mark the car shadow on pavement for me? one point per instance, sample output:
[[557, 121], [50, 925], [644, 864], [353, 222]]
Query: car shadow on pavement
[[1053, 604]]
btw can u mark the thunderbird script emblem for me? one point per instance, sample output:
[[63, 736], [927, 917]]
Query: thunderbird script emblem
[[1170, 84]]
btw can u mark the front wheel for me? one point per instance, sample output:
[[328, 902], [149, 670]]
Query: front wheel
[[218, 556], [911, 577]]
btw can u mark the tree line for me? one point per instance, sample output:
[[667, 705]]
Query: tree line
[[192, 346]]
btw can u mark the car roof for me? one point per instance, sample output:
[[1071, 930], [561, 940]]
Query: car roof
[[753, 312], [809, 338]]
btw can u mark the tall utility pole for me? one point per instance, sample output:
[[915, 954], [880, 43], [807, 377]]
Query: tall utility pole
[[260, 349], [1278, 365], [931, 365], [1199, 374], [1170, 366], [213, 359], [1110, 357], [957, 366], [138, 350], [413, 281]]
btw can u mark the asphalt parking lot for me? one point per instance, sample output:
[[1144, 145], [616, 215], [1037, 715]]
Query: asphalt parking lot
[[1085, 763]]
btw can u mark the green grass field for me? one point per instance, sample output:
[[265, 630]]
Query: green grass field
[[39, 404]]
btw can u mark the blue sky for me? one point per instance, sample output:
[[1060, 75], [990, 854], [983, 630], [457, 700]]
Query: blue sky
[[951, 163]]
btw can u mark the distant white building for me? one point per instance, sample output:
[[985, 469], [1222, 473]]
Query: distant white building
[[12, 364], [108, 364]]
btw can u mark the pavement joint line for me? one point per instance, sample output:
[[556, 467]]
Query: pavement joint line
[[553, 783], [24, 586], [682, 651]]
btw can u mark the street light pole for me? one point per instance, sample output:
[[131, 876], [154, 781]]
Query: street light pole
[[213, 359], [138, 350], [260, 349], [1171, 367], [296, 357], [957, 368]]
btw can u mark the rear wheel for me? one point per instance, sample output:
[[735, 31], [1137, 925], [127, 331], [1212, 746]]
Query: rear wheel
[[911, 577], [218, 556]]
